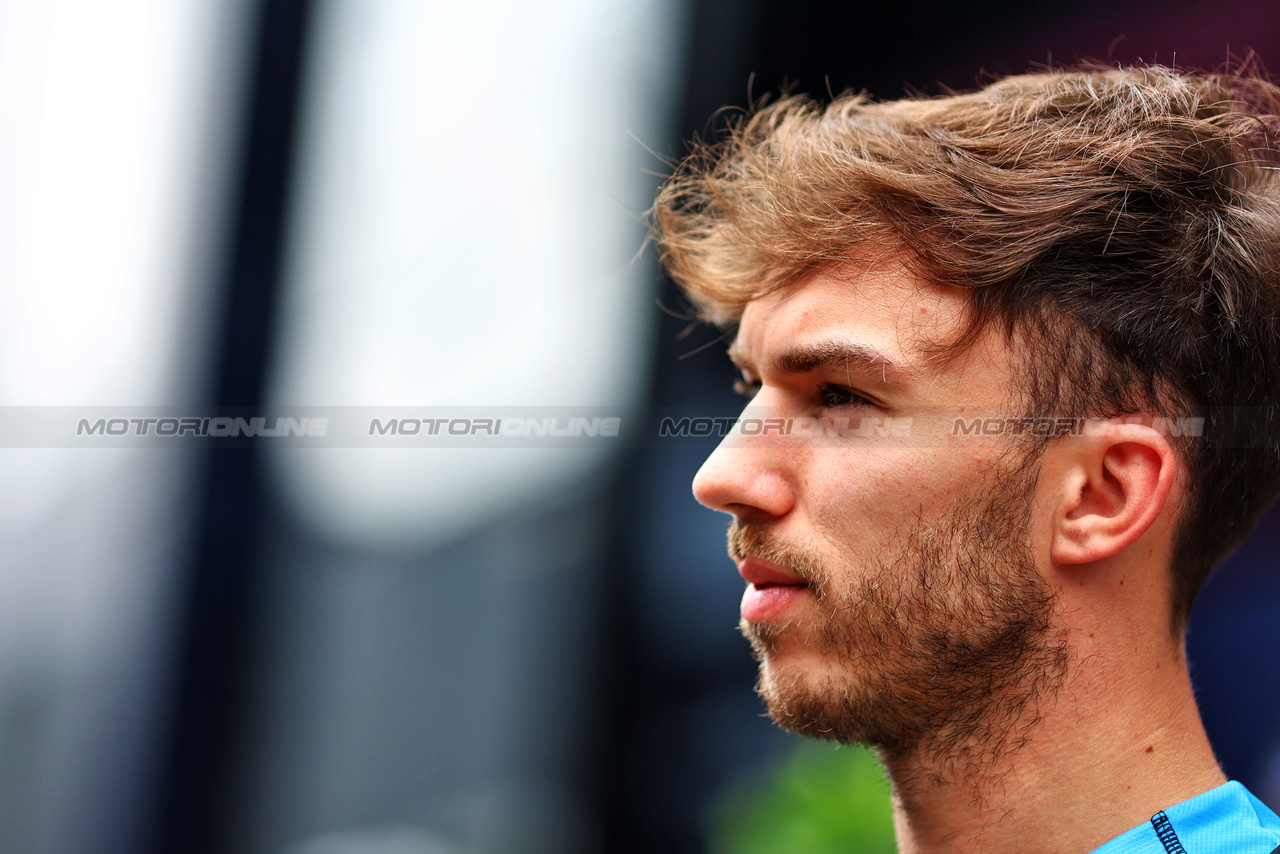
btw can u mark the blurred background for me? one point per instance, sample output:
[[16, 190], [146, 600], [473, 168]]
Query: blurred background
[[412, 203]]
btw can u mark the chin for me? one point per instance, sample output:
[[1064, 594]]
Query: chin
[[809, 701]]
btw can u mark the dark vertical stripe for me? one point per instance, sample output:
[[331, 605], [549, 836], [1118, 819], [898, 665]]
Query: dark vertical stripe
[[215, 613]]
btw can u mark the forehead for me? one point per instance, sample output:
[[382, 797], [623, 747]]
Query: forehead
[[878, 305]]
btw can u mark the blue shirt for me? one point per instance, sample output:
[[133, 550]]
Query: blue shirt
[[1225, 820]]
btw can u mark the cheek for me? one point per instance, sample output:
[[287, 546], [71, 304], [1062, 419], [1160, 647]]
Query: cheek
[[867, 496], [855, 496]]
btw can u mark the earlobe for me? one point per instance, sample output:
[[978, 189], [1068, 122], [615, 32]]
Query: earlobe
[[1116, 483]]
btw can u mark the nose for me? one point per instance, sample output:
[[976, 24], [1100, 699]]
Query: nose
[[744, 477]]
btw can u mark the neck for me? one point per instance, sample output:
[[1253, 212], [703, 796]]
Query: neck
[[1120, 741]]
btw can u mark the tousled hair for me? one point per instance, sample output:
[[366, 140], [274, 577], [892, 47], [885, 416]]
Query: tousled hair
[[1124, 222]]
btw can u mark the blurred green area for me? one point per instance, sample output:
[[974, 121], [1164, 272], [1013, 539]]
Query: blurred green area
[[822, 799]]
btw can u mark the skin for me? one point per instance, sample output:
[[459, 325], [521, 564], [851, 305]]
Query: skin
[[1114, 739]]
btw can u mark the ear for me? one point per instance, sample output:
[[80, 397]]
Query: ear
[[1115, 481]]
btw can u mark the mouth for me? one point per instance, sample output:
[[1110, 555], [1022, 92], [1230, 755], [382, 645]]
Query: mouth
[[771, 591]]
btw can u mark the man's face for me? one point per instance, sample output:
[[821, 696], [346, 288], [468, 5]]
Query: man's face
[[895, 593]]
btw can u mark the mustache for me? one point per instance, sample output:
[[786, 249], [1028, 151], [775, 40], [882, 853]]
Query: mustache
[[752, 540]]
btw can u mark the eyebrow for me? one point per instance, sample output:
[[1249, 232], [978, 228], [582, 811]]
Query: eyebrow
[[829, 356]]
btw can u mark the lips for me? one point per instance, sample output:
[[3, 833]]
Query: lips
[[770, 591]]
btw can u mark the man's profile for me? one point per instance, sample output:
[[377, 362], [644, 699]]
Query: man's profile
[[1002, 616]]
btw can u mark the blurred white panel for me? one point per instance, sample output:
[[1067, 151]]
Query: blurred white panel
[[113, 145], [464, 229]]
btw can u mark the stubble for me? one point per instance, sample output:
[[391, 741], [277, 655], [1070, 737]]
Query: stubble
[[948, 645]]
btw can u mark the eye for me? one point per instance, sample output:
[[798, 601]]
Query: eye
[[745, 387], [838, 396]]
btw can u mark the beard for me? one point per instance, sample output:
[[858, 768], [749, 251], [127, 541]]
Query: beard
[[949, 644]]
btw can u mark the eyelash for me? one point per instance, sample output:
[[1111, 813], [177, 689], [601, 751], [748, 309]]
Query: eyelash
[[832, 395], [837, 396]]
